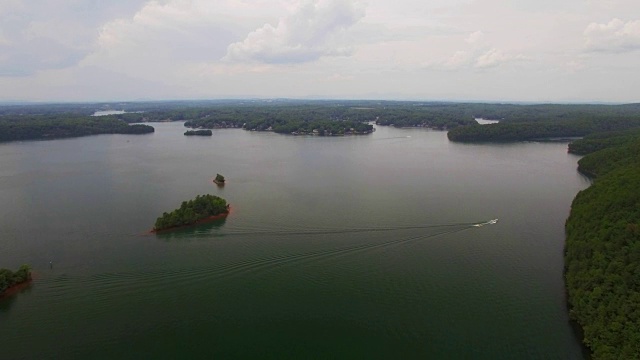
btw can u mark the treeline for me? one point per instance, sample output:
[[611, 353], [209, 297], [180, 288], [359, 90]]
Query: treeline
[[253, 116], [435, 115], [283, 119], [602, 251], [517, 122], [198, 133], [322, 128], [291, 116], [289, 119], [190, 212], [35, 127], [86, 109], [599, 141], [9, 278], [574, 126]]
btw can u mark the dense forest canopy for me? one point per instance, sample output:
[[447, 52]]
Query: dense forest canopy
[[198, 133], [541, 130], [599, 141], [333, 118], [517, 122], [602, 251], [9, 278], [539, 122], [190, 212], [35, 127]]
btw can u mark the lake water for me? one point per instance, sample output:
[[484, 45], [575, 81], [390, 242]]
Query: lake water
[[339, 247], [482, 121], [108, 112]]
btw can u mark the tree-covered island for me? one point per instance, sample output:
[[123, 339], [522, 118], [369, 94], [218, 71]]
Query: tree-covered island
[[198, 133], [191, 212], [9, 278], [219, 179]]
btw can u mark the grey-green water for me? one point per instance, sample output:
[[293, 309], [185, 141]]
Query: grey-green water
[[354, 247]]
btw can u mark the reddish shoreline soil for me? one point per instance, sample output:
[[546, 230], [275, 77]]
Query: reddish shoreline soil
[[15, 289], [201, 221]]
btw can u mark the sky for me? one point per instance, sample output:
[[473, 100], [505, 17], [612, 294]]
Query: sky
[[457, 50]]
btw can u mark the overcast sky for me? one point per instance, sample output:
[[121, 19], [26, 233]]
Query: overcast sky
[[494, 50]]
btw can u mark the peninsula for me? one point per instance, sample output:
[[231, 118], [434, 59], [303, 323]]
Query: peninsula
[[602, 250], [202, 208], [9, 279], [56, 126]]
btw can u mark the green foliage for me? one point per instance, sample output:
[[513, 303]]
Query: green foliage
[[609, 159], [9, 278], [323, 120], [599, 141], [136, 129], [541, 130], [327, 118], [34, 127], [219, 178], [190, 212], [541, 122], [198, 133], [602, 252]]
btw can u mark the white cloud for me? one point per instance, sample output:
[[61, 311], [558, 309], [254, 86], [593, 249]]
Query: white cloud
[[44, 34], [616, 36], [174, 49], [474, 59], [474, 37], [458, 60], [171, 39], [494, 58], [308, 33]]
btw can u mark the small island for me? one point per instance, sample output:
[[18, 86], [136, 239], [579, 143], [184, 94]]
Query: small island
[[202, 208], [10, 279], [219, 180], [198, 133]]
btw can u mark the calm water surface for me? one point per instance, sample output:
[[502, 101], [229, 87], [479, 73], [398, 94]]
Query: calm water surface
[[353, 247]]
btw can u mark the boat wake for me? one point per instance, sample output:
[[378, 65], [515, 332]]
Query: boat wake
[[336, 231], [490, 222], [155, 280]]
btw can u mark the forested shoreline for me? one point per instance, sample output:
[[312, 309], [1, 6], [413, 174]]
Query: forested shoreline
[[542, 130], [602, 250], [322, 117], [41, 127]]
